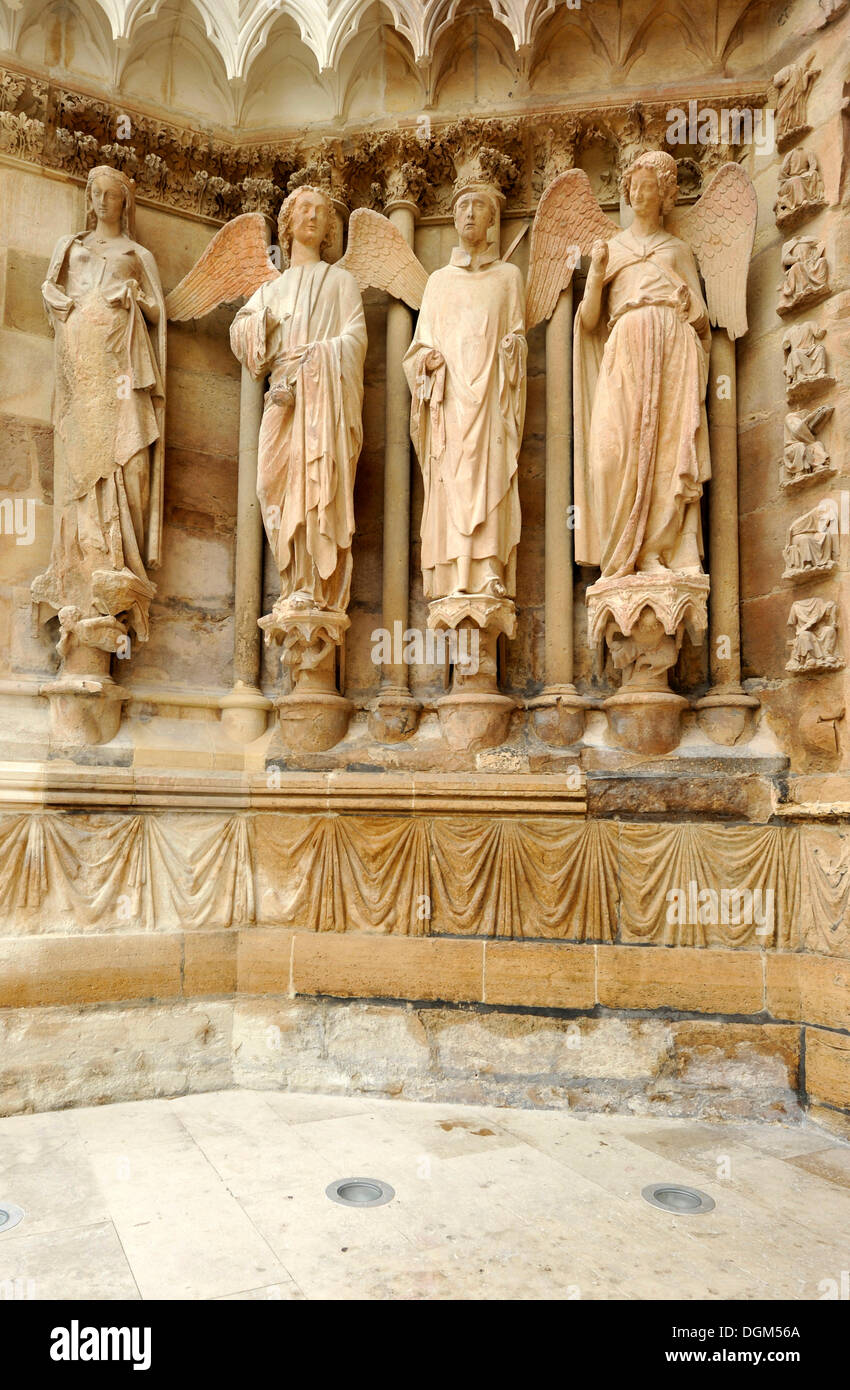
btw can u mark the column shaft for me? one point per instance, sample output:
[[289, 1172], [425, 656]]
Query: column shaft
[[724, 616], [396, 557], [558, 568]]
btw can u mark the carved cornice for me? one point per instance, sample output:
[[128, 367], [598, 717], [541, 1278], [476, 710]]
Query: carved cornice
[[216, 176]]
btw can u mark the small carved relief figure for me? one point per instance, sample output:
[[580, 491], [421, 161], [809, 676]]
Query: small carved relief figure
[[812, 541], [805, 359], [792, 84], [804, 456], [800, 187], [466, 371], [815, 641], [106, 309], [642, 341], [806, 274]]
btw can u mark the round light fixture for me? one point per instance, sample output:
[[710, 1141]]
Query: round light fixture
[[10, 1216], [681, 1201], [360, 1192]]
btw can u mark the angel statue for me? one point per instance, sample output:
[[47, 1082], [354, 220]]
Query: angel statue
[[642, 341], [305, 330], [106, 310]]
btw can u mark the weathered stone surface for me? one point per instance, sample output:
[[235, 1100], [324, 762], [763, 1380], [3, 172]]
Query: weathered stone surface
[[828, 1067], [54, 1057], [728, 982], [551, 977]]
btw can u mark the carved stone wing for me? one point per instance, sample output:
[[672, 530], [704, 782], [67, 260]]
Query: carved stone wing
[[378, 256], [234, 265], [568, 217], [721, 228]]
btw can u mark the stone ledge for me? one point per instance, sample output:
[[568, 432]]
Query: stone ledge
[[65, 785]]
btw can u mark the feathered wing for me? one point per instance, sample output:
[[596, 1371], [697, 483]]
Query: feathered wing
[[721, 228], [379, 257], [568, 217], [234, 265]]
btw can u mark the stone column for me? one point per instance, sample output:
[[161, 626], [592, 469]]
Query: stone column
[[243, 710], [726, 712], [394, 714], [558, 713]]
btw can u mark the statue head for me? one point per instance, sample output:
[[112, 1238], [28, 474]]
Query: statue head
[[476, 214], [663, 166], [307, 214], [104, 187]]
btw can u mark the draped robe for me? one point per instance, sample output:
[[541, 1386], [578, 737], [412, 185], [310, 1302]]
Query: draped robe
[[466, 422], [308, 450], [108, 433], [641, 432]]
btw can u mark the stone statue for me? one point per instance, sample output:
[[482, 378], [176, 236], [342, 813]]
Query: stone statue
[[814, 646], [806, 279], [307, 332], [466, 372], [803, 455], [466, 368], [812, 541], [805, 360], [800, 187], [107, 313], [641, 456], [304, 329], [642, 340], [792, 84]]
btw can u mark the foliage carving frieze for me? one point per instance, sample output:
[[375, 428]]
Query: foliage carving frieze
[[217, 177]]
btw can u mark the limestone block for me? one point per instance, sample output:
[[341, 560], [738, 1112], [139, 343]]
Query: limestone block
[[539, 975], [54, 1057], [395, 968], [728, 982], [16, 456], [23, 308], [810, 989], [36, 210], [200, 496], [26, 375], [209, 963], [264, 961], [202, 413], [88, 969], [828, 1067]]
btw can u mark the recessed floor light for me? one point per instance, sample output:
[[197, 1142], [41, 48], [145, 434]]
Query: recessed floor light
[[360, 1192], [682, 1201], [10, 1216]]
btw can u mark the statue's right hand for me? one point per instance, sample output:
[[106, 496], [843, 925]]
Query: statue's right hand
[[599, 256], [434, 361]]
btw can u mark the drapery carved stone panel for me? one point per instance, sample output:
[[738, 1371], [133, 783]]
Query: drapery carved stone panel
[[691, 884]]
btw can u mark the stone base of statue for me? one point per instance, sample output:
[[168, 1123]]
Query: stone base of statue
[[727, 716], [393, 715], [84, 709], [314, 716], [244, 713], [642, 619], [85, 702], [558, 715], [474, 715]]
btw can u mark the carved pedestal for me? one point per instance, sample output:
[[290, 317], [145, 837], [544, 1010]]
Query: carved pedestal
[[474, 715], [642, 619], [393, 714], [314, 716], [559, 715], [85, 702]]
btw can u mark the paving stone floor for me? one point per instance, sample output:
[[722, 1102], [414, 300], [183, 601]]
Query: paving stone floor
[[223, 1196]]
